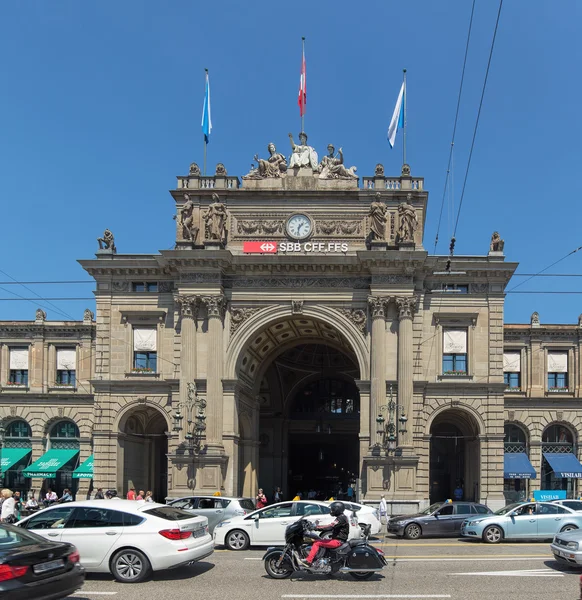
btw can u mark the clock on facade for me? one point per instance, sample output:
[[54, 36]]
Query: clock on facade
[[299, 226]]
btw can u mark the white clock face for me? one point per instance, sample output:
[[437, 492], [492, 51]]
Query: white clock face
[[299, 227]]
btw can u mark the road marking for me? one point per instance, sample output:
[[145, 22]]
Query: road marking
[[366, 596], [526, 573], [474, 557], [253, 558], [84, 593], [457, 545]]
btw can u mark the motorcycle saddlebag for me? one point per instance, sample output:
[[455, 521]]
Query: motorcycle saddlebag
[[364, 557]]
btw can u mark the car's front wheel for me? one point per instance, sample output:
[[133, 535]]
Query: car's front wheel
[[237, 540], [493, 534], [130, 566], [412, 531], [568, 528]]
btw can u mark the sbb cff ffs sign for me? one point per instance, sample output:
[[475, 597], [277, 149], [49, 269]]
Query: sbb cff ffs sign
[[274, 247]]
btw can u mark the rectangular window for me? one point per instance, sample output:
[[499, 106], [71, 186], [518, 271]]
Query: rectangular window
[[454, 288], [145, 353], [66, 366], [557, 371], [147, 286], [512, 370], [454, 352], [18, 366]]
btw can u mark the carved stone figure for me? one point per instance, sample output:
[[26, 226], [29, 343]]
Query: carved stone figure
[[220, 170], [303, 155], [332, 167], [497, 243], [408, 222], [405, 171], [40, 315], [88, 316], [189, 230], [535, 319], [274, 166], [215, 218], [194, 170], [107, 242], [379, 170], [378, 218]]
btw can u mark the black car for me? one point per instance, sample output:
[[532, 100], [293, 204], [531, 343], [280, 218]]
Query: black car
[[32, 568], [442, 519]]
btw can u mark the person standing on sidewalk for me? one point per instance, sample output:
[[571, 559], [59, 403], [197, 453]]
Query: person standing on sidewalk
[[383, 509]]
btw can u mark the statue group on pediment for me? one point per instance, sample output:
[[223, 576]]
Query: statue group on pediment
[[302, 155]]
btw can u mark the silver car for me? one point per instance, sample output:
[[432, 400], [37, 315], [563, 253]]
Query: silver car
[[214, 508]]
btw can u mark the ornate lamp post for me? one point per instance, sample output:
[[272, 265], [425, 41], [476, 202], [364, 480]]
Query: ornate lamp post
[[193, 410], [388, 429], [2, 433]]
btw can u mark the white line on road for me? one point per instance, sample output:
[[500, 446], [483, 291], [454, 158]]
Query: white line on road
[[253, 559], [366, 596], [525, 573], [84, 593], [508, 559]]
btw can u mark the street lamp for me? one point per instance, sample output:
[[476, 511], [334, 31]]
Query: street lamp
[[388, 430], [193, 409], [2, 433]]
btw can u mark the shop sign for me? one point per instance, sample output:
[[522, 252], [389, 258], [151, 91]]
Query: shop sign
[[305, 247], [547, 495]]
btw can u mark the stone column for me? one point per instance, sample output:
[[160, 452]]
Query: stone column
[[406, 307], [188, 313], [378, 305], [216, 306]]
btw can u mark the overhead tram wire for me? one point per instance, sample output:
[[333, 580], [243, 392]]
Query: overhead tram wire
[[455, 125], [47, 282]]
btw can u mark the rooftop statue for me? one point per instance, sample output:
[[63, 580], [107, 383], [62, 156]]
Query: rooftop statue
[[408, 222], [332, 167], [378, 219], [194, 170], [497, 243], [107, 242], [189, 230], [215, 218], [303, 155], [271, 167]]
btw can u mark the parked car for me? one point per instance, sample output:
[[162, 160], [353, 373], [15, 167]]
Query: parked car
[[129, 539], [266, 526], [214, 508], [523, 520], [442, 519], [567, 547], [573, 504], [366, 515], [33, 568]]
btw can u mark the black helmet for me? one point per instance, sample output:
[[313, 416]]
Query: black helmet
[[336, 509]]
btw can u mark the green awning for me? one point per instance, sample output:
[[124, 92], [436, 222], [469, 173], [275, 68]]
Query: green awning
[[10, 456], [49, 463], [84, 471]]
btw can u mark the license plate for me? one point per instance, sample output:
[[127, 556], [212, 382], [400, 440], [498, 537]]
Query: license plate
[[199, 533], [48, 566], [563, 554]]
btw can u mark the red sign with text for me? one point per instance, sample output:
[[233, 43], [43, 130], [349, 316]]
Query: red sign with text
[[260, 247]]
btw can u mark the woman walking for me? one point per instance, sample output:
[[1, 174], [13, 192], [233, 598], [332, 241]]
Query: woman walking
[[8, 513]]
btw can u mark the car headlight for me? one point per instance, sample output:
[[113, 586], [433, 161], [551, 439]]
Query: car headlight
[[223, 523], [572, 546], [400, 522], [475, 522]]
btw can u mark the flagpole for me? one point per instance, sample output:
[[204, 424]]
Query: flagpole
[[205, 137], [404, 128], [302, 61]]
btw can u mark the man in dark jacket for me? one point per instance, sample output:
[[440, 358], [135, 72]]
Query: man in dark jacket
[[340, 531]]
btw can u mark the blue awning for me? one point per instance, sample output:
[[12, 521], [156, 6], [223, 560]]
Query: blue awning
[[564, 465], [517, 466]]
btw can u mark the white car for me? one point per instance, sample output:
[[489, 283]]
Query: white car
[[366, 515], [266, 526], [126, 538]]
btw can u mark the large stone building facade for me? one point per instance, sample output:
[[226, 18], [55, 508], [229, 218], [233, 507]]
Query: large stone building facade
[[298, 335]]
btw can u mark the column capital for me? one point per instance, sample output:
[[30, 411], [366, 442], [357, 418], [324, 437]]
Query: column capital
[[378, 305], [216, 305], [188, 306], [406, 307]]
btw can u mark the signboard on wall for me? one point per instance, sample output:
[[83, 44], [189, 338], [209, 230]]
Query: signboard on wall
[[547, 495]]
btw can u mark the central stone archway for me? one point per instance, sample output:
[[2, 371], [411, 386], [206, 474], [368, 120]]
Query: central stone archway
[[299, 407]]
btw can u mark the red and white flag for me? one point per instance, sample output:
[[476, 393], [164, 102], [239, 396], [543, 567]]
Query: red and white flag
[[302, 98]]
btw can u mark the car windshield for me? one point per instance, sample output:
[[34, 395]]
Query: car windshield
[[431, 509], [508, 508], [11, 537]]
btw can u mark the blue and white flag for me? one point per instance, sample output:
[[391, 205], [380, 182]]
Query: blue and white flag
[[206, 118], [397, 121]]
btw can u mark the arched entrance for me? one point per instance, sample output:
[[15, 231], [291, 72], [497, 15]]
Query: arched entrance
[[454, 456], [143, 446], [305, 431]]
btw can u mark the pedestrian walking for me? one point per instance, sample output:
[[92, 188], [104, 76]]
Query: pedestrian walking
[[131, 494], [141, 495], [278, 495], [149, 496], [99, 494], [17, 505], [383, 509], [7, 514], [261, 499]]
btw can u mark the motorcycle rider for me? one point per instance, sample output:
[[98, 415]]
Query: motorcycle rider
[[340, 531]]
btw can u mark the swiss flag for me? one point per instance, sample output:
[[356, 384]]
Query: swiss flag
[[302, 98]]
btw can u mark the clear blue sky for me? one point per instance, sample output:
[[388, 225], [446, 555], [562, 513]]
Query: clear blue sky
[[101, 103]]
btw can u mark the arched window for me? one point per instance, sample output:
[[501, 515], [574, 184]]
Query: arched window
[[17, 430], [515, 439], [332, 396], [557, 438], [64, 435]]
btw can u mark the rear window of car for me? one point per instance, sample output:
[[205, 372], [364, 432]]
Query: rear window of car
[[482, 510], [130, 520], [11, 537], [169, 513], [247, 504]]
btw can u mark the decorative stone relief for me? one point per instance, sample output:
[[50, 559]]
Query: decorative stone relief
[[40, 316], [188, 306], [378, 306], [479, 288], [216, 305], [88, 317], [239, 315], [120, 286], [359, 283], [335, 227], [296, 307], [220, 170], [379, 170], [165, 286], [356, 316], [511, 415], [391, 279], [253, 227], [535, 319], [200, 278], [405, 171], [194, 170], [406, 307]]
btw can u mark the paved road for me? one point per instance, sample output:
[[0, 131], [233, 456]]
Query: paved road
[[423, 569]]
